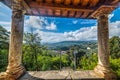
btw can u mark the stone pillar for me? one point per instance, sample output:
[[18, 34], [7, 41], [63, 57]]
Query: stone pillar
[[103, 41], [15, 68], [103, 66]]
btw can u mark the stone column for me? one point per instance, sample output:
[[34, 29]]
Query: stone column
[[103, 41], [15, 68], [103, 66]]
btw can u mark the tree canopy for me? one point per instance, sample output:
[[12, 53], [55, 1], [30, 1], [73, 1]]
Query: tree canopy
[[4, 44], [4, 38], [115, 47]]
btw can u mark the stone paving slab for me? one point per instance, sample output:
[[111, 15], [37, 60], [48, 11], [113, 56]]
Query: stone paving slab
[[61, 75]]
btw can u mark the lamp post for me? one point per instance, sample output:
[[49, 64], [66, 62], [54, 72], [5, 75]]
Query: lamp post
[[75, 51]]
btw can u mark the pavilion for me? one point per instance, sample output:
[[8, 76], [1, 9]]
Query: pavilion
[[85, 9]]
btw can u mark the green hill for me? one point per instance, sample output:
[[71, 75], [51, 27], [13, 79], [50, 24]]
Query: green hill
[[65, 45]]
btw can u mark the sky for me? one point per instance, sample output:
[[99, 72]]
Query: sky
[[54, 29]]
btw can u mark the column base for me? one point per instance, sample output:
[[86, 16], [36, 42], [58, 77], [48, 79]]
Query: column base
[[13, 73], [106, 72]]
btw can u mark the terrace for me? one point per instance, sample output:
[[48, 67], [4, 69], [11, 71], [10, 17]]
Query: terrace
[[85, 9]]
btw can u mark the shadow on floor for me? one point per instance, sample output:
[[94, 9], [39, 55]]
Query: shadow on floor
[[28, 76]]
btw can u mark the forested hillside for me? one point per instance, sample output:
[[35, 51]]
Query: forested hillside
[[37, 56], [65, 45]]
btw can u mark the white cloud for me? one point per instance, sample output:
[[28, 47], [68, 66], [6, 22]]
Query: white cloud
[[40, 23], [85, 33], [75, 22], [88, 33], [110, 16], [114, 28], [0, 4], [52, 26], [36, 22], [50, 36], [6, 25]]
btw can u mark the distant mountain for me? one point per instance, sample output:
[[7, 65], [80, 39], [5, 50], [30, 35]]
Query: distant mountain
[[65, 45]]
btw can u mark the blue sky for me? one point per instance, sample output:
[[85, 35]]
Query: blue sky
[[52, 29]]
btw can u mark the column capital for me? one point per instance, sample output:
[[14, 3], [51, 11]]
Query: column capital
[[103, 11], [17, 6]]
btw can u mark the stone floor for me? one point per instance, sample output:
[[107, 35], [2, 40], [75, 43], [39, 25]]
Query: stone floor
[[58, 75]]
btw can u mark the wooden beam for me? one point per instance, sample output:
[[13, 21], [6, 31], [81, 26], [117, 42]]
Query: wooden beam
[[94, 4], [50, 12], [78, 14], [67, 2], [76, 2], [26, 6], [71, 13], [34, 11], [57, 12], [7, 2], [85, 2], [42, 11], [64, 13], [55, 7], [85, 14], [59, 1], [115, 1]]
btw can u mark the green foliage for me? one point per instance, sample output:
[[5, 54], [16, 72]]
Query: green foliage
[[115, 65], [38, 57], [31, 51], [3, 59], [55, 63], [66, 45], [115, 47], [4, 38], [4, 44], [89, 62], [75, 51], [65, 60], [45, 62]]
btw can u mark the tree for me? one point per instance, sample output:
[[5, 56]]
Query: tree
[[115, 47], [78, 54], [4, 44], [4, 38], [115, 54], [31, 50], [89, 63], [115, 65]]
